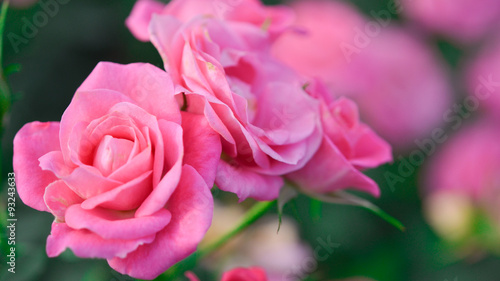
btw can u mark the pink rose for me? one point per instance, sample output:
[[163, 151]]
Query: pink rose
[[401, 87], [483, 80], [399, 84], [348, 147], [320, 50], [463, 20], [469, 163], [462, 182], [274, 19], [238, 274], [268, 124], [126, 175]]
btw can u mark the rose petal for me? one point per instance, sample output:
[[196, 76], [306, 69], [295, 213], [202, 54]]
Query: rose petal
[[118, 125], [329, 171], [172, 136], [111, 154], [125, 197], [248, 12], [140, 17], [168, 41], [54, 162], [148, 86], [246, 183], [85, 107], [86, 244], [370, 150], [286, 118], [303, 151], [192, 208], [30, 143], [245, 274], [87, 181], [197, 134], [138, 165], [85, 137], [154, 137], [59, 197]]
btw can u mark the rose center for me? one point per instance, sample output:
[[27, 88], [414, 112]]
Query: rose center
[[112, 153]]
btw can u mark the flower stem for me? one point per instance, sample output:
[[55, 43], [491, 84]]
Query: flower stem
[[256, 212]]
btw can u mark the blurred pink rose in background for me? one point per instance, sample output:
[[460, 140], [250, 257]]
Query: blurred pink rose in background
[[319, 49], [125, 181], [399, 84], [348, 147], [469, 162], [483, 77], [464, 20], [463, 181]]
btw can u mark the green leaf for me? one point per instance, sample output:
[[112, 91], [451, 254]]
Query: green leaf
[[315, 210], [345, 198]]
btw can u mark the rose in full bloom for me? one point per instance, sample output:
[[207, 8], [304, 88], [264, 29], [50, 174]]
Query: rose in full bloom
[[274, 19], [238, 274], [125, 174], [462, 182], [348, 147], [268, 124], [483, 79], [400, 85], [463, 20]]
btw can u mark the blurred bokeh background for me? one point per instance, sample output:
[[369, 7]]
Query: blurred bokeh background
[[425, 77]]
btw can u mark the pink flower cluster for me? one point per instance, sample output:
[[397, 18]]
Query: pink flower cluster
[[127, 172]]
